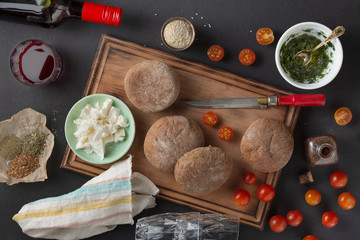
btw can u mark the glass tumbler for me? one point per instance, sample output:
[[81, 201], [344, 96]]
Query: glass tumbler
[[34, 62]]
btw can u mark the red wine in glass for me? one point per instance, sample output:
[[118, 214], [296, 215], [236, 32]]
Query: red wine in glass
[[33, 62]]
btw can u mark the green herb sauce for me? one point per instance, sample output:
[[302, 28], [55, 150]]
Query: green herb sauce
[[297, 71]]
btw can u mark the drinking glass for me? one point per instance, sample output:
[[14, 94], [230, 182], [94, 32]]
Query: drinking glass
[[33, 62]]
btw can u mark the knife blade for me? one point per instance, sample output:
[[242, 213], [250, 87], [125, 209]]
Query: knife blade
[[297, 100]]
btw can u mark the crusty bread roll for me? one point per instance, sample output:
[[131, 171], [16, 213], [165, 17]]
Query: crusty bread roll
[[267, 145], [151, 86], [203, 170], [169, 138]]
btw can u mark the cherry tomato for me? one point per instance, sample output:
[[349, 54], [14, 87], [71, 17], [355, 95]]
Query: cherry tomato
[[249, 178], [225, 133], [310, 237], [247, 57], [294, 218], [265, 36], [210, 118], [242, 197], [313, 197], [215, 53], [343, 116], [338, 179], [346, 201], [277, 223], [329, 219], [266, 193]]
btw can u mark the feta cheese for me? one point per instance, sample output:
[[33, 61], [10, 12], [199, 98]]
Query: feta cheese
[[98, 126]]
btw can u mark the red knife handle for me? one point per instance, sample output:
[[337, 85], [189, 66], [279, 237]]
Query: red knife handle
[[302, 100]]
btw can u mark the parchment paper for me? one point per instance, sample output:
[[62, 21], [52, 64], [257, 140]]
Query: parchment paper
[[20, 124]]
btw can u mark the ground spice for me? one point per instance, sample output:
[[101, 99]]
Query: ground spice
[[23, 165], [10, 147], [34, 143], [178, 34]]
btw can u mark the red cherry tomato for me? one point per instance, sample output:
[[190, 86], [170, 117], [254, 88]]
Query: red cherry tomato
[[265, 36], [241, 197], [210, 118], [338, 179], [247, 57], [249, 178], [346, 201], [343, 116], [313, 197], [225, 133], [310, 237], [329, 219], [294, 218], [215, 53], [265, 193], [277, 223]]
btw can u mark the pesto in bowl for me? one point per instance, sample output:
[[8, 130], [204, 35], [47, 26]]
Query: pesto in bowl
[[316, 69], [326, 61]]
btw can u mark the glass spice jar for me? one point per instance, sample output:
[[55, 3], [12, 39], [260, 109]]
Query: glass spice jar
[[321, 150]]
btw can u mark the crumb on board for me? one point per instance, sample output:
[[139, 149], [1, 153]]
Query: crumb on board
[[306, 178]]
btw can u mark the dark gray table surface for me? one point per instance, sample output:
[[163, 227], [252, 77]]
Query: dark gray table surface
[[232, 24]]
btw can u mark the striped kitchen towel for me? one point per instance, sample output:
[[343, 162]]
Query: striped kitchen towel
[[110, 199]]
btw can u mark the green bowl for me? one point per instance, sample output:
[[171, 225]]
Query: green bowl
[[113, 151]]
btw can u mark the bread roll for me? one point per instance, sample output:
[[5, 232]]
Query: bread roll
[[203, 170], [151, 86], [267, 145], [169, 138]]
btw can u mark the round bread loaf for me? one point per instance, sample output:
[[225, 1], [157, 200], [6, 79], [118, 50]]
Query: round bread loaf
[[169, 138], [203, 170], [151, 86], [267, 145]]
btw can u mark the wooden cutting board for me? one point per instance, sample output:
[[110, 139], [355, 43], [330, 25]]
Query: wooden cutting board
[[115, 57]]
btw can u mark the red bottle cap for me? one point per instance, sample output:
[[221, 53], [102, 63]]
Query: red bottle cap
[[99, 13]]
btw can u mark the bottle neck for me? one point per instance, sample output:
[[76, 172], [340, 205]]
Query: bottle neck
[[325, 150], [54, 11], [98, 13], [75, 9]]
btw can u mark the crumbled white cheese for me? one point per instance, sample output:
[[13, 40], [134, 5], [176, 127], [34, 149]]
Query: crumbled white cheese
[[98, 125]]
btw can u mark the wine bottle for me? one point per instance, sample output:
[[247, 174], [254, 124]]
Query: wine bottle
[[50, 13]]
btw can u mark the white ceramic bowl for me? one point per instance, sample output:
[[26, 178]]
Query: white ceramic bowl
[[311, 28]]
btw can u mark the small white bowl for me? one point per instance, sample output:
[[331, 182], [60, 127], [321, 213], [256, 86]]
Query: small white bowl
[[335, 55]]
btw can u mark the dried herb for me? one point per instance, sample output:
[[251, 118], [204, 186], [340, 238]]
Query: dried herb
[[10, 147], [22, 165], [34, 143]]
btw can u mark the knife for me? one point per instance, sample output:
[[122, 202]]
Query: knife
[[297, 100]]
